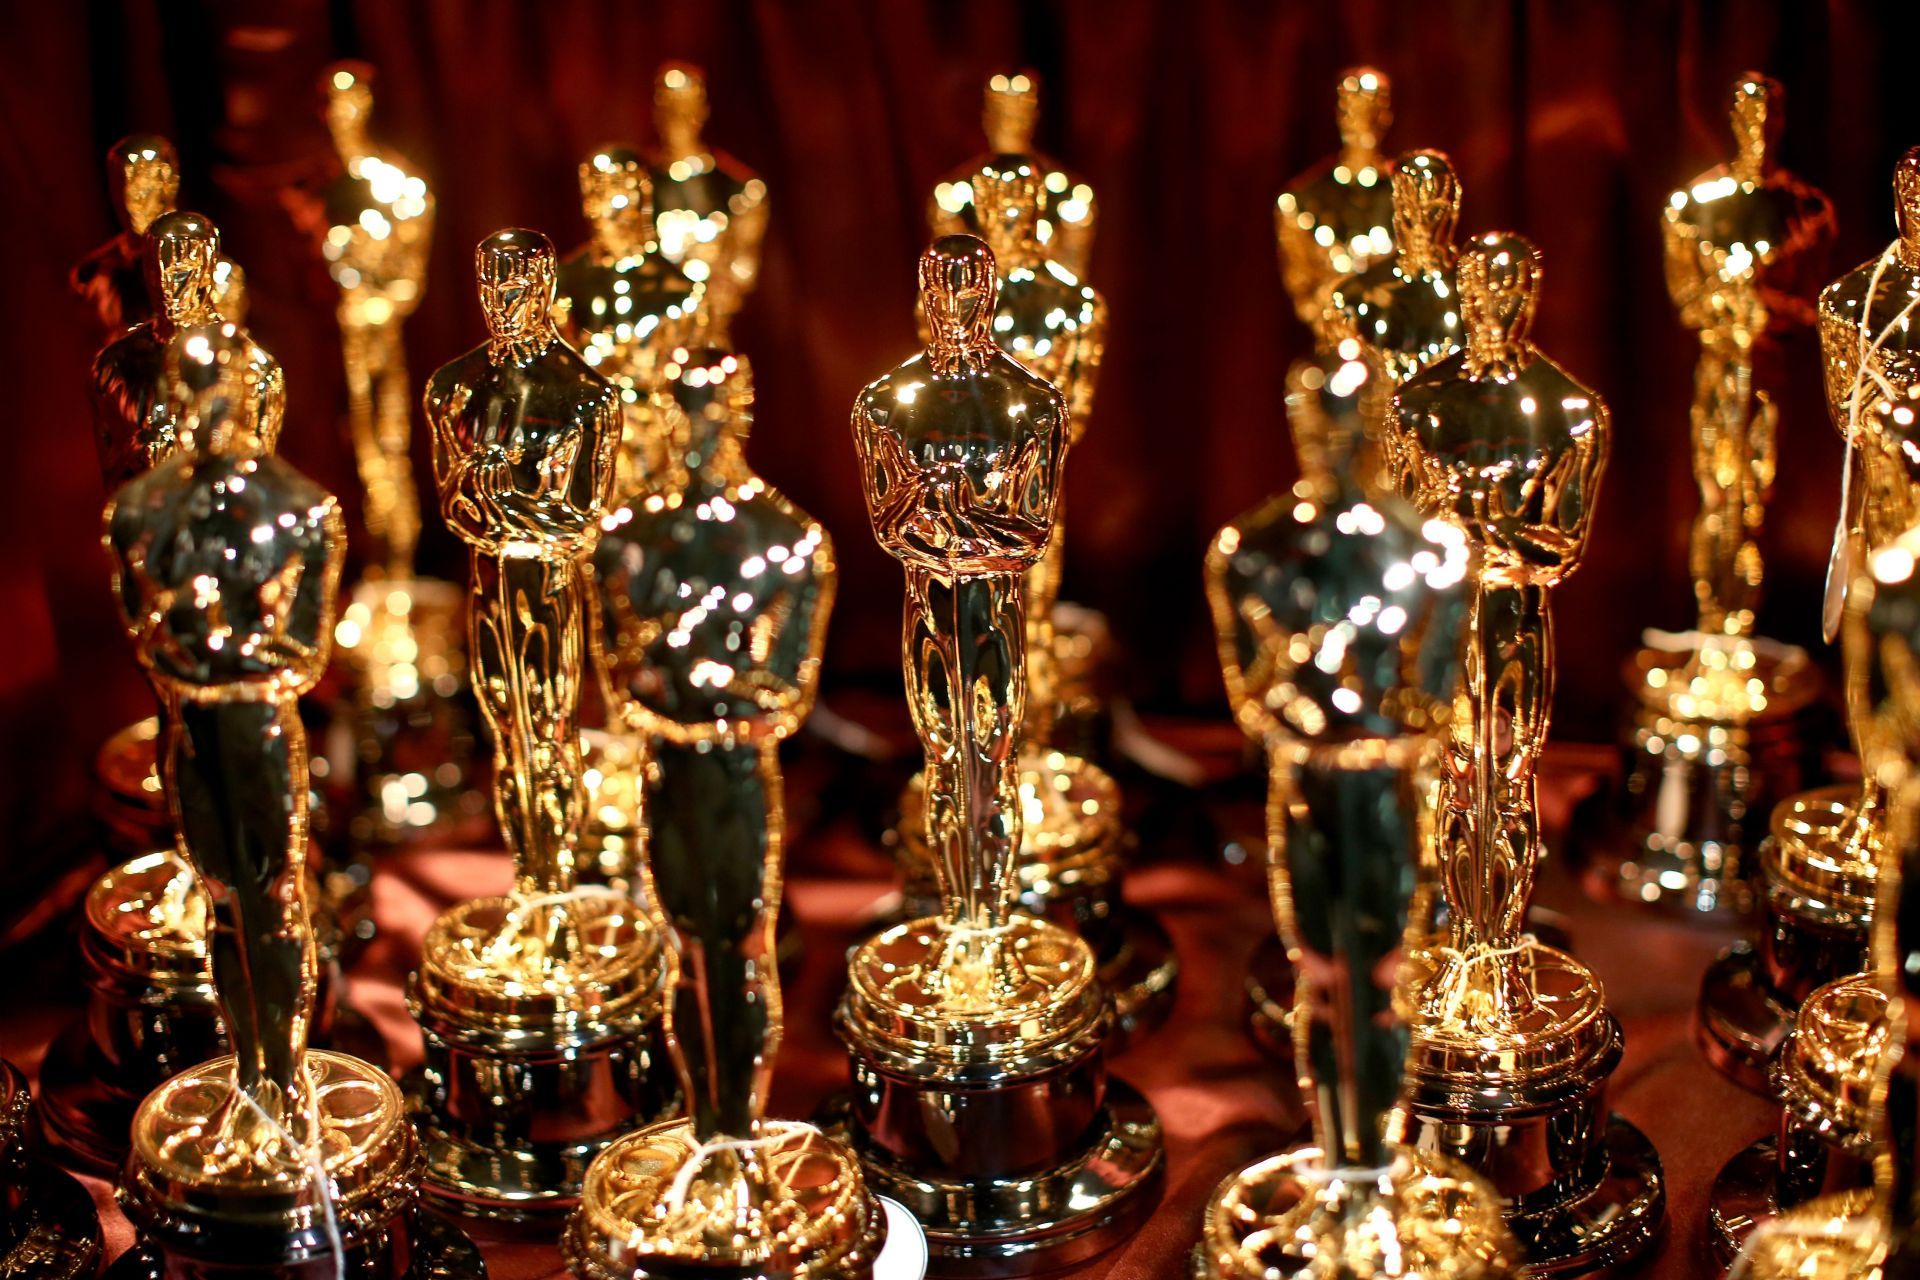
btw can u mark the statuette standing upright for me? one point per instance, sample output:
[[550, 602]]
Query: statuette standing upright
[[716, 609], [1512, 1039], [710, 209], [1030, 1156], [227, 566], [540, 1007], [1719, 732], [1339, 614]]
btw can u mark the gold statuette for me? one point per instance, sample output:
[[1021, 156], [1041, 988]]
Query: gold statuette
[[626, 307], [1338, 614], [539, 1008], [1067, 214], [372, 223], [375, 231], [1716, 736], [710, 210], [980, 1094], [1402, 310], [1070, 862], [1866, 1233], [1821, 866], [48, 1226], [278, 1159], [1513, 1043], [1331, 222], [716, 591], [151, 1001]]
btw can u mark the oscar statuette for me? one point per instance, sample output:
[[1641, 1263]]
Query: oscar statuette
[[1718, 731], [540, 1008], [1332, 221], [1339, 615], [715, 611], [1821, 868], [710, 211], [279, 1160], [1073, 842], [977, 1037], [1512, 1041]]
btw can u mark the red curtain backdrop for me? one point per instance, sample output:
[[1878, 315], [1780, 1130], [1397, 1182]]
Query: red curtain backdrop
[[1568, 122]]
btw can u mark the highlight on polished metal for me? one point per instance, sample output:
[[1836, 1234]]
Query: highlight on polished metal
[[226, 568], [539, 1008], [1339, 614], [375, 232], [980, 1098], [1867, 1231], [1068, 213], [1822, 865], [626, 307], [710, 210], [143, 181], [715, 592], [144, 930], [1717, 737], [1401, 309], [1512, 1039]]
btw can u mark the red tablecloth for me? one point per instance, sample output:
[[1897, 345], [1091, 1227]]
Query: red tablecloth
[[1222, 1104]]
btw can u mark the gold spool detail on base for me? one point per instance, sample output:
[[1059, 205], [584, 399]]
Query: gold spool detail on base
[[215, 1193], [820, 1222], [1289, 1215], [987, 1110]]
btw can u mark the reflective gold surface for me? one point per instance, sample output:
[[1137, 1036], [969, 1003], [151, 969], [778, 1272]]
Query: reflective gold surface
[[525, 434], [227, 566], [537, 1007], [230, 642], [374, 226], [1869, 1232], [710, 210], [1745, 247], [715, 593], [1068, 215], [1338, 614], [1401, 309], [811, 1218], [134, 413], [143, 181], [626, 307], [1506, 446], [967, 1028]]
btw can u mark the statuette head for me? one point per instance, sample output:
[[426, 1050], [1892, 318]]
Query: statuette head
[[143, 176], [515, 271], [1012, 107], [182, 247], [1426, 208], [1363, 108]]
